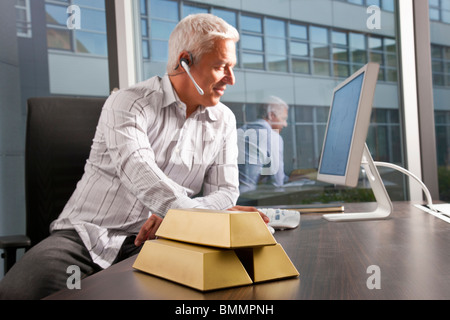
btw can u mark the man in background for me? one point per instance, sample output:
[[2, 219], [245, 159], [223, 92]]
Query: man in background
[[261, 147]]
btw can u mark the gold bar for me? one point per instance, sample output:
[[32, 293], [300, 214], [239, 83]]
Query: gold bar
[[267, 263], [216, 228], [202, 268]]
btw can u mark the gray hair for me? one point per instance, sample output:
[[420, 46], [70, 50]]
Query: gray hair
[[197, 34], [272, 104]]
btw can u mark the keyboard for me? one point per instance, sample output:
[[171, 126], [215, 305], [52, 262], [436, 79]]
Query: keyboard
[[282, 218]]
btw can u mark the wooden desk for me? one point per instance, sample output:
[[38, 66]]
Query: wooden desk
[[411, 249]]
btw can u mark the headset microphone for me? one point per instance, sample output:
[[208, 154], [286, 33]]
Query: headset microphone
[[185, 66]]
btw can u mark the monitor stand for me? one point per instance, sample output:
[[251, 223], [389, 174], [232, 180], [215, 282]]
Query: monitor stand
[[384, 204]]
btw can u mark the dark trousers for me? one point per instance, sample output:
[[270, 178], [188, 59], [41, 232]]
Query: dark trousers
[[43, 269]]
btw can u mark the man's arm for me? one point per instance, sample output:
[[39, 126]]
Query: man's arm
[[221, 184]]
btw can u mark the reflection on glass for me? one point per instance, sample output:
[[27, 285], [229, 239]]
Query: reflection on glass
[[277, 63], [99, 4], [318, 35], [249, 23], [164, 9], [227, 15], [298, 31], [88, 42], [253, 61], [339, 38], [159, 50], [440, 62], [308, 57], [56, 14], [320, 51], [161, 29], [187, 10], [340, 54], [59, 39], [300, 66], [93, 20], [341, 70], [321, 68], [275, 45], [275, 28], [299, 48], [251, 42]]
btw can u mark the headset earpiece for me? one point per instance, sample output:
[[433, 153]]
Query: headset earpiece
[[186, 63]]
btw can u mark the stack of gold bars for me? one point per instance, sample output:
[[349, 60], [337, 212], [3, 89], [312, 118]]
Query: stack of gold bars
[[208, 250]]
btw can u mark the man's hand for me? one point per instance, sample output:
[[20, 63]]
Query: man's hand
[[148, 230], [250, 209]]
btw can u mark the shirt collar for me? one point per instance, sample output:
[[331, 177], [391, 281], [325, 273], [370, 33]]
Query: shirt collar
[[171, 97]]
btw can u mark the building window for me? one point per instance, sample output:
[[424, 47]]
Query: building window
[[387, 5], [299, 46], [442, 118], [252, 43], [23, 18], [439, 10], [89, 39], [273, 44], [320, 50], [440, 59]]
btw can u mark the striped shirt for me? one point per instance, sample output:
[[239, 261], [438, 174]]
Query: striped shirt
[[146, 158]]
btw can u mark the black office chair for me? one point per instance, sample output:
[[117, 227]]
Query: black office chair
[[58, 140]]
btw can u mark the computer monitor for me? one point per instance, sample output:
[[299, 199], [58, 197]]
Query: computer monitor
[[344, 149]]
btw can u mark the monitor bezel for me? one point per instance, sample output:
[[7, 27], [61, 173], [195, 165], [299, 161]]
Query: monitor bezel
[[361, 127]]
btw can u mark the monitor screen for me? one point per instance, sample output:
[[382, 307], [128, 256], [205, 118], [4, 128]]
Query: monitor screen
[[347, 127], [342, 125]]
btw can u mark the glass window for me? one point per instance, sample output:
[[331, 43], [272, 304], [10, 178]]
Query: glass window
[[159, 50], [49, 58], [227, 15], [93, 20], [275, 28], [161, 29], [339, 38], [253, 61], [99, 4], [299, 48], [252, 42], [249, 23], [298, 31], [189, 9], [440, 62], [275, 45], [59, 39], [162, 9], [318, 35], [77, 52], [93, 43], [299, 62], [23, 18], [300, 66], [56, 14]]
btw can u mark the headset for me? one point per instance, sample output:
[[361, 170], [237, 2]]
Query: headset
[[185, 65]]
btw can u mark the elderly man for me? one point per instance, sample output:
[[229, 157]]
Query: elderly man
[[158, 144], [261, 147]]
